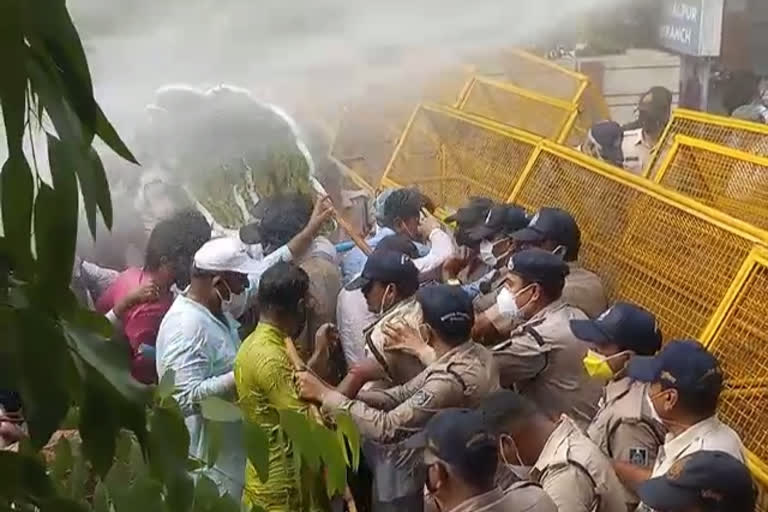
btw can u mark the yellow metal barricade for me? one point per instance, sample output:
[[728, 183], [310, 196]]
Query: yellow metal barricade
[[452, 156], [521, 108], [651, 246], [726, 131], [733, 181], [738, 336]]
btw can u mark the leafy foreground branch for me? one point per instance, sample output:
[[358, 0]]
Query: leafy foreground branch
[[129, 451]]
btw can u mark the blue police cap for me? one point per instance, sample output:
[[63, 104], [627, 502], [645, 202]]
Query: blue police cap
[[626, 325], [682, 364], [538, 266]]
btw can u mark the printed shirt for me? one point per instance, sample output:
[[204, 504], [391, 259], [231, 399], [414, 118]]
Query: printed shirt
[[264, 376], [140, 322]]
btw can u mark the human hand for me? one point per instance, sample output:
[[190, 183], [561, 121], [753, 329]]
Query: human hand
[[311, 388], [147, 292], [453, 266], [484, 331], [322, 211], [326, 338], [400, 337]]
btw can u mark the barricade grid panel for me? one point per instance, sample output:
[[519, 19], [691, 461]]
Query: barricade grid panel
[[529, 72], [711, 128], [740, 346], [732, 185], [646, 250], [507, 106], [451, 159]]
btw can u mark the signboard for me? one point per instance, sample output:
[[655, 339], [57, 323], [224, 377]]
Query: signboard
[[692, 27]]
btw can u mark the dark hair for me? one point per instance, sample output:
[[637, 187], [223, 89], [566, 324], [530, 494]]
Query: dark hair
[[482, 473], [400, 244], [403, 203], [572, 251], [700, 403], [504, 408], [552, 290], [407, 289], [282, 218], [282, 286], [177, 239]]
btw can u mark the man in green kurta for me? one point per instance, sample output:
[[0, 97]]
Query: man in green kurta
[[264, 376]]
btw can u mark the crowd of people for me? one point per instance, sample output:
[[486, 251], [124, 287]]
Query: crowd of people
[[483, 366]]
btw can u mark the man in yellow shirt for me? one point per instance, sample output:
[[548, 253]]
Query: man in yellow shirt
[[264, 376]]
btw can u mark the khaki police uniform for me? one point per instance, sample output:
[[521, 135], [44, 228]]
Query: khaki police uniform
[[462, 377], [524, 497], [637, 151], [584, 290], [710, 434], [624, 428], [576, 474], [543, 360]]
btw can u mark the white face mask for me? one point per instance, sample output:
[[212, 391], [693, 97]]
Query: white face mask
[[520, 470], [507, 303], [236, 304], [654, 413], [255, 251], [486, 253]]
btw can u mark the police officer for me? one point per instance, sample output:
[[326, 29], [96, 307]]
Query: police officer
[[570, 467], [642, 135], [624, 427], [554, 230], [706, 481], [462, 374], [461, 456], [685, 385], [543, 359]]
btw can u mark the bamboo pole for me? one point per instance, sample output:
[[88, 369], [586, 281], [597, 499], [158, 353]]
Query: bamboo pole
[[346, 226], [314, 412]]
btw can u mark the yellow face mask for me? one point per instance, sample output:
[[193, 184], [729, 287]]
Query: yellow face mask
[[597, 365]]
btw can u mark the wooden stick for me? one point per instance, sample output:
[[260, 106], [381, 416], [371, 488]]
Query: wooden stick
[[346, 226], [314, 412]]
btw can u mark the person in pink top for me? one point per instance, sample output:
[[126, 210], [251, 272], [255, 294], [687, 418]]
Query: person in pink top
[[171, 247]]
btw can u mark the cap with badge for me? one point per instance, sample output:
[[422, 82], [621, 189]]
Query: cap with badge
[[538, 266], [551, 224], [473, 213], [607, 137], [709, 481], [448, 309], [386, 267], [226, 255], [682, 364], [628, 326], [460, 437], [502, 219]]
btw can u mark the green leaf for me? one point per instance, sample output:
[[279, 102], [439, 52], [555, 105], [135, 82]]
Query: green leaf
[[256, 444], [168, 453], [23, 477], [346, 427], [206, 494], [108, 134], [180, 489], [213, 429], [226, 504], [62, 462], [16, 190], [300, 430], [335, 467], [146, 495], [98, 427], [13, 79], [100, 498], [215, 409], [100, 187], [62, 505], [167, 385]]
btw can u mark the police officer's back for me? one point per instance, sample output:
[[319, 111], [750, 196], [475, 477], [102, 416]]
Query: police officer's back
[[624, 427], [543, 359]]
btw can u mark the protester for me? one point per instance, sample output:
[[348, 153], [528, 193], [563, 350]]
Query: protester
[[388, 284], [570, 468], [198, 341], [685, 385], [402, 213], [282, 221], [140, 297], [641, 136], [604, 141], [624, 428], [461, 456], [543, 359], [461, 375], [264, 376], [757, 108], [705, 481]]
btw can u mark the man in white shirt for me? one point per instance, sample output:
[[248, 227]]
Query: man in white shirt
[[685, 385], [641, 136]]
